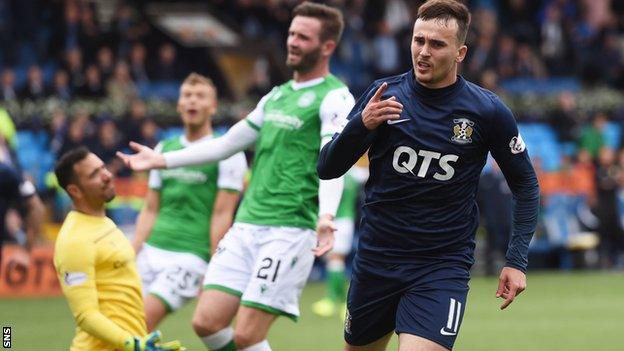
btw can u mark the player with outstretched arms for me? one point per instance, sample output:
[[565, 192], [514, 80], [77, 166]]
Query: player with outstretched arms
[[263, 262]]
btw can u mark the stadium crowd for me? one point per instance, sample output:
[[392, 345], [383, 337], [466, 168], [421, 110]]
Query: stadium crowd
[[72, 50]]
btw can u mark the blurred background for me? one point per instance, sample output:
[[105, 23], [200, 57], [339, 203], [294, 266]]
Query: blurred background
[[103, 72]]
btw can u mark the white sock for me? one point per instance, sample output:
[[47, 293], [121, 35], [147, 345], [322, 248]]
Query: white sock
[[261, 346], [218, 339]]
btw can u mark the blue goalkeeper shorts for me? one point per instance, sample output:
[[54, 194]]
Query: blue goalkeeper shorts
[[426, 299]]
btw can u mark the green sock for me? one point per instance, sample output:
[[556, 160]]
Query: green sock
[[229, 347], [336, 285]]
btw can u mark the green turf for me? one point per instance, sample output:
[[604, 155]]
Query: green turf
[[559, 311]]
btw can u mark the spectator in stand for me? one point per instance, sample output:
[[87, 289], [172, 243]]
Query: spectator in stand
[[528, 64], [260, 83], [610, 60], [120, 88], [505, 57], [481, 56], [518, 17], [131, 126], [495, 201], [74, 67], [78, 132], [149, 133], [386, 51], [35, 88], [60, 87], [93, 87], [138, 67], [57, 130], [92, 35], [566, 120], [489, 81], [108, 142], [608, 180], [121, 27], [128, 27], [8, 92], [167, 67], [592, 138], [106, 63], [553, 40]]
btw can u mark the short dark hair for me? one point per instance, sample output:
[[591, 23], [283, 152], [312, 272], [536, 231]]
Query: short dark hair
[[64, 168], [331, 19], [446, 10]]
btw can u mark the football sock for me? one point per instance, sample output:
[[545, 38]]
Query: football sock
[[223, 340], [261, 346], [336, 281]]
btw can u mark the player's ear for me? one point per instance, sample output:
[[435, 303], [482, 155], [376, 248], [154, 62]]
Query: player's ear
[[461, 53], [328, 47], [74, 191]]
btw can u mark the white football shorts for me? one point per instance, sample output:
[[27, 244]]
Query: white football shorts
[[266, 266], [173, 277]]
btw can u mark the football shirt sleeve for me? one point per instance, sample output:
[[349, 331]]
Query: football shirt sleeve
[[238, 138], [76, 269], [155, 181], [509, 151], [346, 148], [232, 173], [255, 118], [334, 111]]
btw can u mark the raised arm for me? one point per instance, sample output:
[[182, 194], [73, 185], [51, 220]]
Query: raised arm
[[337, 157], [238, 138], [242, 135]]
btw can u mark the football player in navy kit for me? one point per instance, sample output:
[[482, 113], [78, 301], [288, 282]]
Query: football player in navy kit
[[428, 133]]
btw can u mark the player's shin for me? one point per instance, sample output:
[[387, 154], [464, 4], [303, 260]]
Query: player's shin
[[223, 340]]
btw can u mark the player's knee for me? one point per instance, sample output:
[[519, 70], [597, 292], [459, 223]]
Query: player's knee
[[203, 325], [246, 338]]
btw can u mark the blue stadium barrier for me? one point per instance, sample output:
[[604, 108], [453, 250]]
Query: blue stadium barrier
[[611, 135], [541, 86], [163, 90]]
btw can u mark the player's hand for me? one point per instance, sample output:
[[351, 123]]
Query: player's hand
[[379, 111], [145, 158], [325, 229], [151, 342], [511, 283]]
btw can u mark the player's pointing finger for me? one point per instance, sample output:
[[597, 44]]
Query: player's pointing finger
[[382, 88]]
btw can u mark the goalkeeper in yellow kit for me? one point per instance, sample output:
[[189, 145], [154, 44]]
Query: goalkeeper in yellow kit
[[95, 264]]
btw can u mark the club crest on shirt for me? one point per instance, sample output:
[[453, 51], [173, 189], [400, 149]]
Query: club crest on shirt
[[306, 99], [462, 131]]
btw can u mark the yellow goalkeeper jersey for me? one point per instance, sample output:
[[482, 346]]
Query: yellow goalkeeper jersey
[[95, 264]]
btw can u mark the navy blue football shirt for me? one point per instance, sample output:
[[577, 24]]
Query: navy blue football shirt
[[424, 171]]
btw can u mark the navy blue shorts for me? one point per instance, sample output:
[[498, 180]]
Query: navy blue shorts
[[427, 299]]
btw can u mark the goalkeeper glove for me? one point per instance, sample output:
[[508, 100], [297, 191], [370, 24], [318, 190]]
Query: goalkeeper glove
[[151, 342]]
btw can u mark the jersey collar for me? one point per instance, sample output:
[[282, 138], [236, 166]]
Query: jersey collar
[[307, 83], [184, 141]]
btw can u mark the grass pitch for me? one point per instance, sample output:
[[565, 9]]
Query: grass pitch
[[558, 311]]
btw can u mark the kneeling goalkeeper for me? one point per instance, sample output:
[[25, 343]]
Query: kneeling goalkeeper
[[95, 264]]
